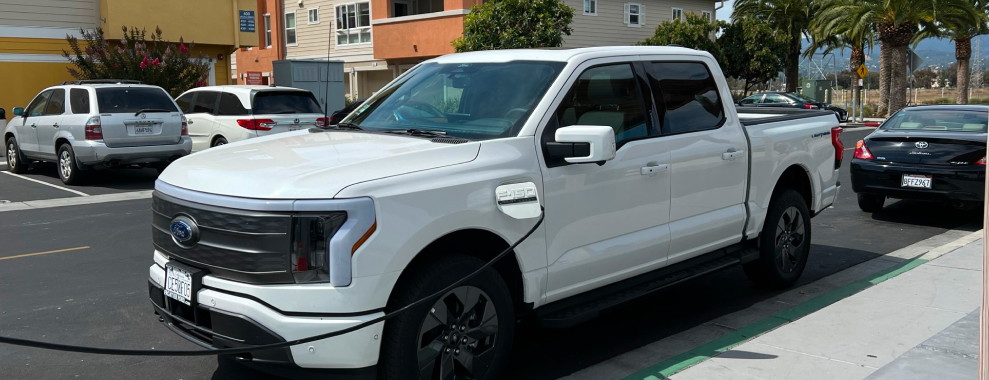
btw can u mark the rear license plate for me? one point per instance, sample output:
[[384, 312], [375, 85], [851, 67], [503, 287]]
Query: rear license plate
[[917, 181], [144, 130], [178, 284]]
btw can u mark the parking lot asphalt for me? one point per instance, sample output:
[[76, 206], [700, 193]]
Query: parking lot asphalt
[[73, 269]]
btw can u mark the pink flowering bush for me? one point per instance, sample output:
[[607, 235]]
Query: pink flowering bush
[[148, 58]]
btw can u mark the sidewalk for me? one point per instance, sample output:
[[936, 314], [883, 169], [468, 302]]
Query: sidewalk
[[919, 322]]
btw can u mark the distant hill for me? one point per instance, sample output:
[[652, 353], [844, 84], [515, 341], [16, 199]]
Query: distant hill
[[934, 52]]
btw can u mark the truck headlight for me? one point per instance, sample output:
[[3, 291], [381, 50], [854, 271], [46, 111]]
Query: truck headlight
[[311, 246], [324, 242]]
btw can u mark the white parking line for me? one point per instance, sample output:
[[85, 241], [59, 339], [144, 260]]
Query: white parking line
[[47, 184], [75, 201]]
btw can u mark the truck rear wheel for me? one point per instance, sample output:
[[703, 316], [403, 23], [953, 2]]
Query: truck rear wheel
[[464, 334], [784, 243]]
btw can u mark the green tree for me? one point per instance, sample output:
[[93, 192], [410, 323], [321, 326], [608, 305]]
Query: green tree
[[515, 24], [693, 32], [788, 17], [924, 78], [751, 52], [830, 30], [137, 56]]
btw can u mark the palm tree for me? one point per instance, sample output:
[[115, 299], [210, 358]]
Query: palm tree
[[831, 30], [896, 24], [786, 16], [962, 31]]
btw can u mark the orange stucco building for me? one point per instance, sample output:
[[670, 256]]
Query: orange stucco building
[[252, 65]]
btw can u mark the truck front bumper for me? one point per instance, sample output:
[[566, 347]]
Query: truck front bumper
[[222, 319]]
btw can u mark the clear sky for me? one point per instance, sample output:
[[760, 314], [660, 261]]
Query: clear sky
[[725, 12]]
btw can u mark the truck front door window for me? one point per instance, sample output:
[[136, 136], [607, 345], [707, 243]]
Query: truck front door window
[[607, 95]]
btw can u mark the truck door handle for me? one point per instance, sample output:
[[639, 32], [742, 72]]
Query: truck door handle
[[732, 154], [653, 168]]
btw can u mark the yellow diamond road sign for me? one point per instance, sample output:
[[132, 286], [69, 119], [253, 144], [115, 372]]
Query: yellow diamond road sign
[[862, 71]]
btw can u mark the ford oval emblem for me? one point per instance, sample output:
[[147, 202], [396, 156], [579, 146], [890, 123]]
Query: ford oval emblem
[[184, 231], [921, 144]]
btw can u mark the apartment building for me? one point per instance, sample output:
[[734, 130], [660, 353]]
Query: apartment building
[[32, 35], [252, 64], [379, 39]]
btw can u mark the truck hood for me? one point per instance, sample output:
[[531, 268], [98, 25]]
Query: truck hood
[[309, 165]]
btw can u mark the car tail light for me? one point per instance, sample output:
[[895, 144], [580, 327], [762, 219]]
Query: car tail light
[[185, 126], [862, 152], [981, 161], [320, 122], [256, 124], [839, 147], [810, 106], [94, 131]]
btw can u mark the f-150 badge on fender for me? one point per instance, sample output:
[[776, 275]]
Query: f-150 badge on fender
[[518, 200]]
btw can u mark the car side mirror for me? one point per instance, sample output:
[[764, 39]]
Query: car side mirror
[[578, 144], [18, 111]]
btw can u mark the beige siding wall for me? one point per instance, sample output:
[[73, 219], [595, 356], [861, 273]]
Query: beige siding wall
[[312, 38], [608, 26], [50, 13]]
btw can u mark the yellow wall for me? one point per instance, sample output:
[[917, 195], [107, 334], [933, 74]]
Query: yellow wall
[[24, 80], [214, 22]]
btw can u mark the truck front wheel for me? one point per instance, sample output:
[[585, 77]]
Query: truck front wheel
[[466, 333], [784, 243]]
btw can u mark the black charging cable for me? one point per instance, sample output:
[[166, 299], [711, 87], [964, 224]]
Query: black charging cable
[[241, 350]]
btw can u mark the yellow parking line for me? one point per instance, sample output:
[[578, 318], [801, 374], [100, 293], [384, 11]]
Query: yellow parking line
[[43, 253]]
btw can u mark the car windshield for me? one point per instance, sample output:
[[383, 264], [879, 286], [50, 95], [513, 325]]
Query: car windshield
[[133, 99], [802, 98], [284, 102], [468, 100], [952, 120]]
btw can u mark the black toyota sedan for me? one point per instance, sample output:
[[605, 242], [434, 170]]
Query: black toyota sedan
[[791, 100], [932, 153]]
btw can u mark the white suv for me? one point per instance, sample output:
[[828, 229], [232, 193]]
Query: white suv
[[222, 114], [88, 124]]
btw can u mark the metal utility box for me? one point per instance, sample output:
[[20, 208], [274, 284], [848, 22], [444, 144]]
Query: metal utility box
[[323, 78], [819, 90]]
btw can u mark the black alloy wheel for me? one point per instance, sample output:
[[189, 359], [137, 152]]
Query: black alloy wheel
[[464, 334], [784, 244]]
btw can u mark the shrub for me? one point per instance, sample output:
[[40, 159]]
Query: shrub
[[154, 61]]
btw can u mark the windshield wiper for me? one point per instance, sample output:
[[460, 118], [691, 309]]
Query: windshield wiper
[[151, 110], [348, 126], [419, 132]]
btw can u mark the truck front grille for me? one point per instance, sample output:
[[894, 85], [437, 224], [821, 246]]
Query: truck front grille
[[241, 245]]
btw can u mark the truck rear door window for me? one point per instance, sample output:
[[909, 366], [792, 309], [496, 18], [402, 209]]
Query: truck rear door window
[[687, 95], [133, 99], [276, 102]]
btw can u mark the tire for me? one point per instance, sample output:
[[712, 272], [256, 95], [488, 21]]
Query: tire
[[68, 170], [784, 244], [871, 202], [455, 344], [16, 162], [219, 141]]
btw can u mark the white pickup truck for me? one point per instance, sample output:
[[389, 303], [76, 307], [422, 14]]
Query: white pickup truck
[[635, 158]]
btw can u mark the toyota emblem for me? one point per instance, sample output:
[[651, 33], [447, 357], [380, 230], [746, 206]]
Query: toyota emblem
[[921, 144]]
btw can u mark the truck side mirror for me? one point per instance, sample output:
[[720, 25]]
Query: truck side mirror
[[578, 144], [18, 111]]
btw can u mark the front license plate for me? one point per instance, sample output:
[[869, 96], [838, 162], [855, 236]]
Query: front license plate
[[178, 284], [917, 181], [144, 130]]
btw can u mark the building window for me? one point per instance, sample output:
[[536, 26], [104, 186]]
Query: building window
[[400, 8], [707, 16], [267, 30], [353, 23], [290, 28], [677, 14], [314, 16], [590, 7], [634, 14]]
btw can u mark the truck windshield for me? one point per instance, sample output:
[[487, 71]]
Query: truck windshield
[[468, 100]]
